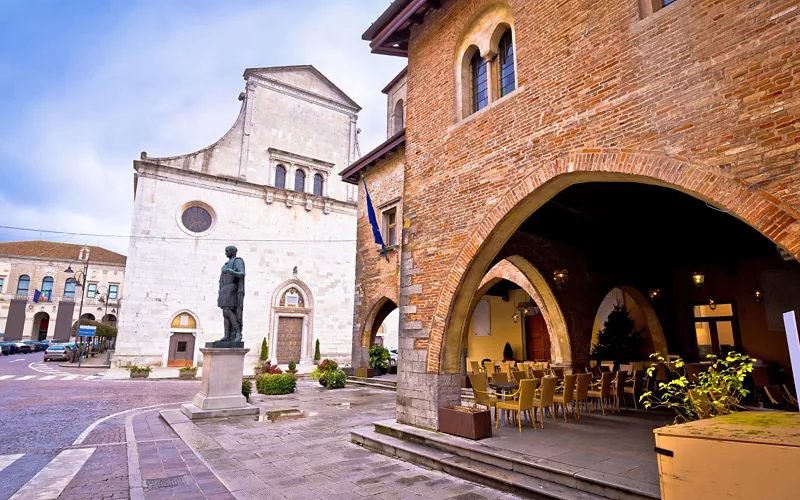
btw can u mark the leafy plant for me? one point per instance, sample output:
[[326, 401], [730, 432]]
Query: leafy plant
[[619, 340], [508, 352], [335, 379], [316, 351], [276, 384], [328, 365], [292, 365], [264, 350], [246, 387], [188, 369], [103, 330], [715, 392], [378, 356], [316, 373], [140, 369], [274, 370]]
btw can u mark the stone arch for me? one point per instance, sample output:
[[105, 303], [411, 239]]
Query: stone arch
[[655, 331], [183, 326], [771, 217], [518, 270], [378, 313]]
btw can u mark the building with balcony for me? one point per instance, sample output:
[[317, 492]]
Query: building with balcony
[[39, 300]]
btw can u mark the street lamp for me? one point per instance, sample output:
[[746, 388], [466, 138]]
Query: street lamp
[[80, 279], [105, 298]]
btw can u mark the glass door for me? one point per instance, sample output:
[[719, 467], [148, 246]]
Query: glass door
[[715, 329]]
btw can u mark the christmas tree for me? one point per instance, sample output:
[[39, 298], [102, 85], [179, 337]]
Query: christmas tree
[[619, 340]]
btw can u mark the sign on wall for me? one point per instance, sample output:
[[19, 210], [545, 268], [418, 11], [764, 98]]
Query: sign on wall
[[482, 319]]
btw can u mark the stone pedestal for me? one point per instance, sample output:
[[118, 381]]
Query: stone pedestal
[[221, 388]]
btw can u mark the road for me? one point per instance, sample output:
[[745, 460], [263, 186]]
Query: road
[[44, 409]]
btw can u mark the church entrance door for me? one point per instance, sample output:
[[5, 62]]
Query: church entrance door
[[290, 337], [181, 350]]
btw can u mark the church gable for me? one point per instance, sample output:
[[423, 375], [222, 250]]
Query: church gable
[[307, 78]]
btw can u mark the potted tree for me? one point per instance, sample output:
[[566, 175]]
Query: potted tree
[[263, 366], [508, 352], [378, 359], [292, 367], [187, 373], [618, 340], [317, 355]]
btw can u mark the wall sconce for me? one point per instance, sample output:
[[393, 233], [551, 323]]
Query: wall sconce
[[698, 278], [515, 317], [654, 294], [712, 304], [560, 276], [758, 295]]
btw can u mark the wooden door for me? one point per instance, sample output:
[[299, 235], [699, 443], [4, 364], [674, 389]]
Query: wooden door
[[181, 350], [290, 337], [538, 338]]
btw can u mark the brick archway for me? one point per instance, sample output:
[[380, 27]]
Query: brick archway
[[772, 218]]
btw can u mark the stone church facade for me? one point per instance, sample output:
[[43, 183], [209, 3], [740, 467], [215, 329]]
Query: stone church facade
[[269, 187]]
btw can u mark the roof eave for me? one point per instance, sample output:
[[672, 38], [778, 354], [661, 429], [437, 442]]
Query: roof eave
[[350, 174], [389, 34]]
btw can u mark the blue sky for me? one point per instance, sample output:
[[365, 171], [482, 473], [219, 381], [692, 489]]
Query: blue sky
[[86, 85]]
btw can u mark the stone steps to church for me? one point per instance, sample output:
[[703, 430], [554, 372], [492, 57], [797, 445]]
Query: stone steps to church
[[502, 469], [371, 382]]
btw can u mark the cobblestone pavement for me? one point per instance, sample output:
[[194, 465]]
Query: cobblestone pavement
[[311, 457], [40, 419]]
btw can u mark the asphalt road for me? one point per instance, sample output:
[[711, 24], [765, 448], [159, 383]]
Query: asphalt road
[[41, 418]]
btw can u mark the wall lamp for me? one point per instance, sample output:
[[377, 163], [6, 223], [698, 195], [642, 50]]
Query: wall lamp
[[698, 278], [560, 276]]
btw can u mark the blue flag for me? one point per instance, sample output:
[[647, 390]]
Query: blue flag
[[373, 221], [36, 295]]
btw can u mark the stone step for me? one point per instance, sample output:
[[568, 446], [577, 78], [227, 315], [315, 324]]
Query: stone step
[[371, 382], [465, 468], [572, 477]]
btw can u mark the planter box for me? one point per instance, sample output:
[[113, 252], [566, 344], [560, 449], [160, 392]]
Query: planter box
[[187, 375], [365, 372], [745, 455], [140, 374], [257, 370], [466, 424], [316, 362], [290, 371], [393, 370]]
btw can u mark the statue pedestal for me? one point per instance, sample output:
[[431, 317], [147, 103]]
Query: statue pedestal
[[221, 387]]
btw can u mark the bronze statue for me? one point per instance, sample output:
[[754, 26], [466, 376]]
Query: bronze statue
[[231, 296]]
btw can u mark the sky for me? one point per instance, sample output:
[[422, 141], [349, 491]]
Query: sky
[[86, 85]]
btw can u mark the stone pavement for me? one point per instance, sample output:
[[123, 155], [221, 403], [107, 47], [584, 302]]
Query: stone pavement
[[312, 457]]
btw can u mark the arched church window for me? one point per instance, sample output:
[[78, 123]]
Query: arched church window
[[300, 181], [184, 321], [318, 184], [292, 298], [280, 177], [196, 219], [480, 83], [506, 52]]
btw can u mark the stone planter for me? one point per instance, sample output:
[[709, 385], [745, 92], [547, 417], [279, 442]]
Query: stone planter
[[316, 362], [393, 370], [257, 370], [378, 371], [290, 371], [465, 422], [187, 375], [745, 455], [140, 374], [365, 372]]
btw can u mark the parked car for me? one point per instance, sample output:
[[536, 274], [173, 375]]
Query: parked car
[[45, 344], [12, 347], [57, 353], [5, 348], [23, 347], [34, 347], [393, 355]]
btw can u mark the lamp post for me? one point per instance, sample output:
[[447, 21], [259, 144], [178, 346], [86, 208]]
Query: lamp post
[[105, 299], [84, 257]]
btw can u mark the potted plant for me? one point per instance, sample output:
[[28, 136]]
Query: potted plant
[[508, 352], [467, 422], [187, 373], [264, 350], [321, 372], [257, 369], [335, 379], [140, 371], [292, 367], [316, 353], [378, 359]]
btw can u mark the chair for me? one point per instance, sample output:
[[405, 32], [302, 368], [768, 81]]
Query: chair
[[592, 363], [505, 367], [789, 395], [627, 368], [638, 387], [538, 373], [637, 366], [475, 367], [603, 393], [608, 364], [605, 369], [619, 389], [545, 399], [480, 391], [519, 376], [582, 393], [523, 402], [558, 373], [565, 398], [488, 366], [500, 377], [594, 371]]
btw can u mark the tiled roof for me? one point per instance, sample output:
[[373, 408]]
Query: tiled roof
[[61, 251]]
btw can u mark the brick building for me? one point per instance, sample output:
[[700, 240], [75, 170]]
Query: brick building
[[28, 266], [623, 147]]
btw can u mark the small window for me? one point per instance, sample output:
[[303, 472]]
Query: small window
[[299, 181], [91, 290], [23, 285], [2, 280], [399, 117], [480, 85], [112, 291], [47, 287], [715, 329], [280, 177], [318, 183], [390, 227], [507, 77], [181, 346], [69, 287]]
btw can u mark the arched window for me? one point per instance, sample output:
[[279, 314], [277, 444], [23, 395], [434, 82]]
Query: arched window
[[280, 177], [318, 184], [480, 85], [23, 285], [506, 52], [399, 117], [299, 181], [292, 298], [184, 321], [69, 287], [47, 287]]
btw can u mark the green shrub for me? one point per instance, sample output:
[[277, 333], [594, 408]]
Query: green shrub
[[316, 373], [188, 369], [264, 350], [276, 384], [103, 330], [292, 365], [328, 365], [379, 356], [246, 388], [335, 379], [137, 369], [317, 355]]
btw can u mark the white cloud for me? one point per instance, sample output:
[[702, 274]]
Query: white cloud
[[164, 79]]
